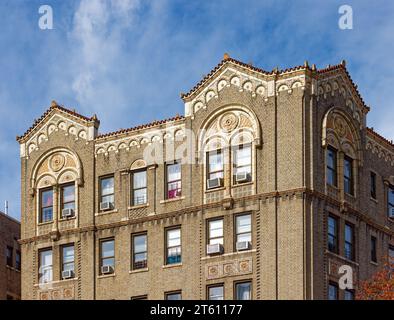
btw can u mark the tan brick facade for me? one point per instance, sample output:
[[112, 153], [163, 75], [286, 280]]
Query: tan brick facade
[[288, 117], [10, 257]]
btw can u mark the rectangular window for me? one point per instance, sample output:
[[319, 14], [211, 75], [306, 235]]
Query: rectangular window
[[174, 180], [332, 291], [9, 255], [173, 243], [68, 197], [46, 205], [107, 190], [349, 294], [216, 292], [175, 295], [18, 261], [349, 241], [374, 257], [348, 175], [332, 234], [107, 253], [243, 290], [390, 200], [215, 167], [391, 254], [373, 185], [68, 258], [332, 166], [242, 163], [140, 251], [243, 228], [215, 231], [140, 191], [45, 266]]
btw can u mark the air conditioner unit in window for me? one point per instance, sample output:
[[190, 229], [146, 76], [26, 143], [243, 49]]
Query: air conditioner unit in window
[[107, 270], [242, 177], [214, 183], [67, 274], [66, 213], [216, 248], [106, 206], [243, 245], [391, 213]]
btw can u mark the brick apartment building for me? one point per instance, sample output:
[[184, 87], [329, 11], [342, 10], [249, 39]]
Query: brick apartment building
[[262, 190], [10, 258]]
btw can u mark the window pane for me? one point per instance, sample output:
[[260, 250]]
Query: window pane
[[47, 214], [349, 295], [243, 291], [108, 199], [140, 257], [216, 240], [173, 172], [348, 168], [243, 223], [69, 193], [216, 228], [140, 196], [391, 196], [109, 262], [107, 249], [332, 292], [215, 162], [45, 269], [174, 296], [331, 158], [243, 156], [107, 186], [139, 179], [244, 237], [174, 237], [140, 243], [47, 198], [68, 254], [216, 293], [348, 233]]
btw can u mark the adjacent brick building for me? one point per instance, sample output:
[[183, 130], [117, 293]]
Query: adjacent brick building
[[10, 258], [267, 185]]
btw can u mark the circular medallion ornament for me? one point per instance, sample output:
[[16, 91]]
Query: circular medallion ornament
[[229, 122], [340, 127], [57, 162]]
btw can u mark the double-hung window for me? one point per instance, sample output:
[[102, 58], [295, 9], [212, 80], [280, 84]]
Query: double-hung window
[[68, 197], [348, 175], [332, 233], [140, 251], [46, 205], [174, 180], [45, 266], [174, 248], [107, 253], [242, 163], [390, 202], [215, 231], [216, 292], [243, 228], [68, 258], [373, 185], [215, 168], [349, 241], [139, 193], [243, 290], [107, 191], [331, 166]]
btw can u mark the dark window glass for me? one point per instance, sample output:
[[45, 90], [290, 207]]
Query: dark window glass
[[391, 254], [374, 257], [348, 175], [68, 258], [107, 257], [9, 255], [349, 241], [18, 261], [373, 185], [243, 291], [45, 266], [107, 190], [140, 251], [140, 193], [242, 158], [174, 180], [332, 291], [174, 295], [46, 205], [332, 234], [68, 197], [390, 200], [331, 166], [173, 243], [215, 165], [349, 294], [216, 292]]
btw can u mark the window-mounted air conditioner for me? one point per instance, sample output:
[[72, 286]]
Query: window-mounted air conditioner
[[67, 274], [104, 206], [214, 183], [67, 213], [107, 269], [243, 245], [216, 248], [242, 177]]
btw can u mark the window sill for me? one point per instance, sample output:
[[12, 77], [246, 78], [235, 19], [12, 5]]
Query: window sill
[[374, 200], [139, 206], [352, 196], [103, 276], [70, 279], [228, 254], [44, 223], [242, 184], [171, 200], [215, 189], [13, 269], [174, 265], [139, 270], [101, 213], [68, 219], [374, 263]]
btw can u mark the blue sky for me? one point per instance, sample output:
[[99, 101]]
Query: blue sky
[[128, 60]]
